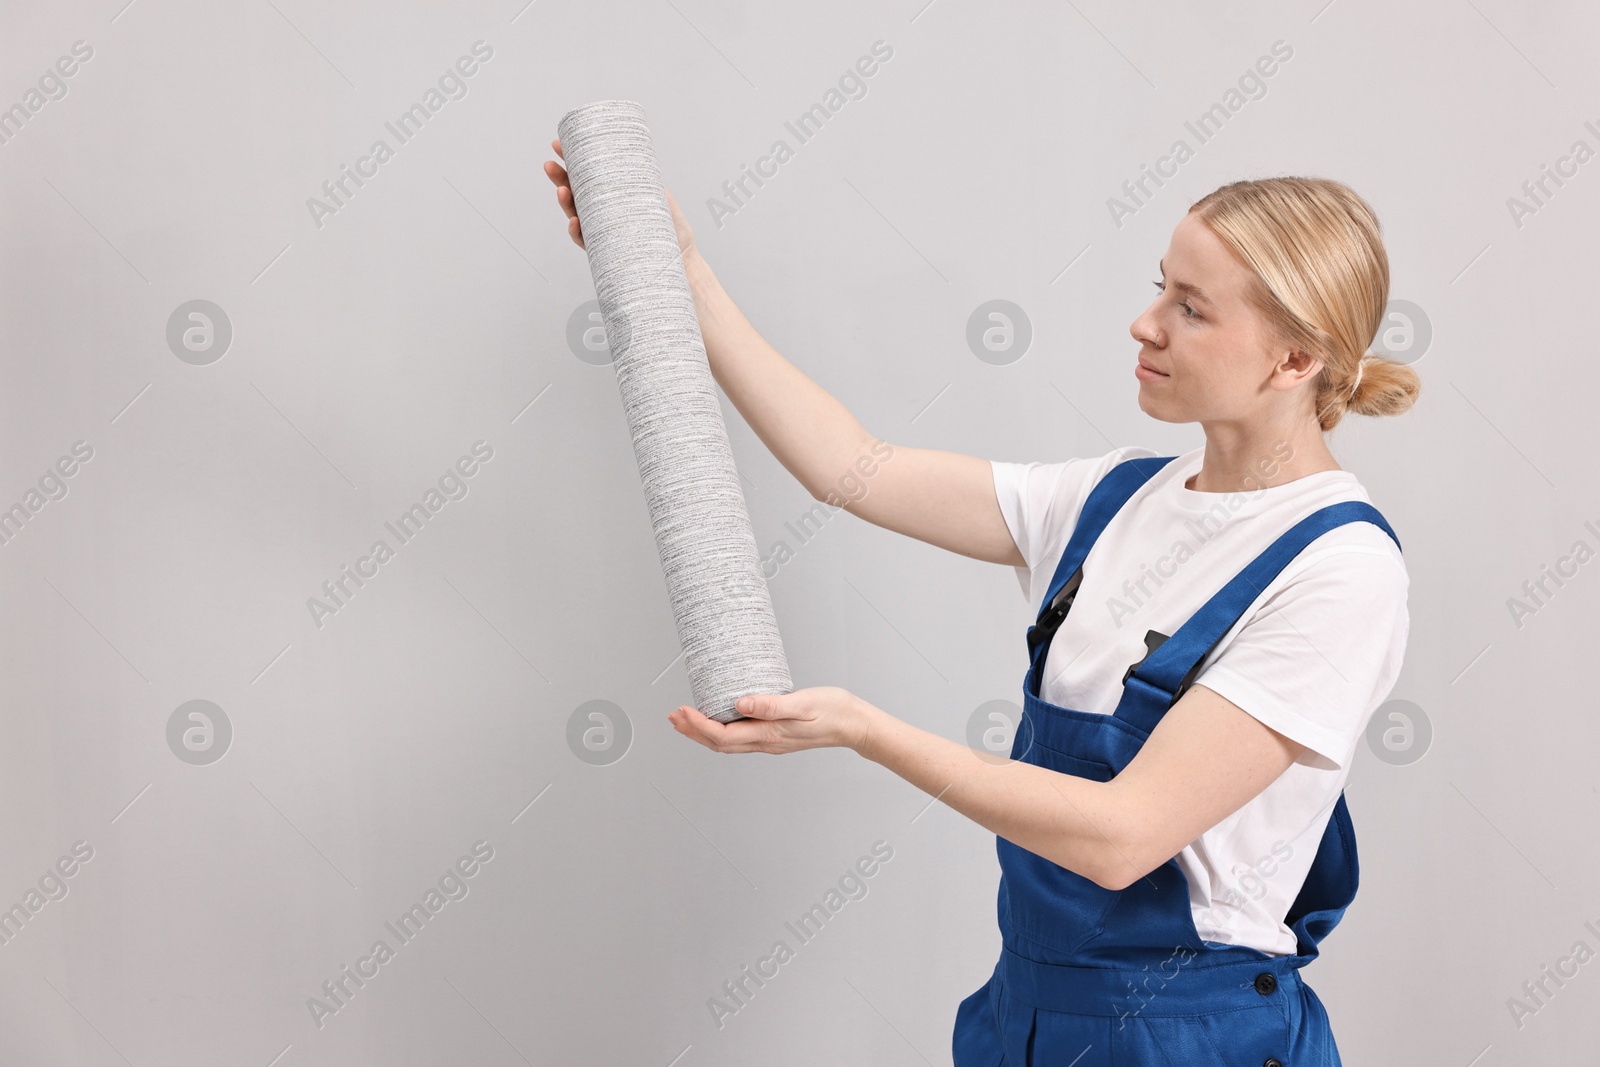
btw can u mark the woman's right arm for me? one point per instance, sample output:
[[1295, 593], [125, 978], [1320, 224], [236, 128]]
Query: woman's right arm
[[944, 498]]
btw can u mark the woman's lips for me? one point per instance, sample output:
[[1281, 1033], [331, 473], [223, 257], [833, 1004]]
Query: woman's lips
[[1146, 373]]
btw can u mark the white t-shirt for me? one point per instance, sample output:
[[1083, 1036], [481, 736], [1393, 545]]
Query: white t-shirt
[[1312, 657]]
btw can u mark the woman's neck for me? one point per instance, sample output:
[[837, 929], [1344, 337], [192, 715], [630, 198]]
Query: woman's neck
[[1236, 461]]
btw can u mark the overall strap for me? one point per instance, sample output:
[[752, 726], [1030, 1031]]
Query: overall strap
[[1104, 501], [1169, 667]]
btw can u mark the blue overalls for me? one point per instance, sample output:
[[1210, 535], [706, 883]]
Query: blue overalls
[[1093, 977]]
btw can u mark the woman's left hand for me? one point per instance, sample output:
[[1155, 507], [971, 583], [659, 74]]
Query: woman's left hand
[[820, 717]]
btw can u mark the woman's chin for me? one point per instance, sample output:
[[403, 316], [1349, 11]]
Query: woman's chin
[[1159, 411]]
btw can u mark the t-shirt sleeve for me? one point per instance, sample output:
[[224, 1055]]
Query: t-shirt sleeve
[[1041, 502], [1319, 654]]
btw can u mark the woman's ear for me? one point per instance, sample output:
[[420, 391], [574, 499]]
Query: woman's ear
[[1293, 367]]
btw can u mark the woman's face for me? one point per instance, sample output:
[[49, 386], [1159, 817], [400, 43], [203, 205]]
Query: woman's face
[[1216, 361]]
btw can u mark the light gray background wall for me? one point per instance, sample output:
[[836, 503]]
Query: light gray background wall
[[432, 311]]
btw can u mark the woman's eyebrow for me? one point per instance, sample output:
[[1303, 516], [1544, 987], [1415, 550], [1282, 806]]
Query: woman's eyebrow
[[1185, 287]]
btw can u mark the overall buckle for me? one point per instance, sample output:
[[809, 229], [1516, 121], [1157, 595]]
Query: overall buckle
[[1152, 641], [1050, 618]]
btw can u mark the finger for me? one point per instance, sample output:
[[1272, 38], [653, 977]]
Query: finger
[[556, 173], [768, 706], [574, 227], [753, 706], [699, 724], [724, 737], [726, 748], [691, 735], [564, 198], [716, 746], [556, 144]]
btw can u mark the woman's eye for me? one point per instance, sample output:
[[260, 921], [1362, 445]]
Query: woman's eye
[[1188, 309]]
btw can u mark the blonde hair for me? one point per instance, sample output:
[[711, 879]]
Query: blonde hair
[[1322, 283]]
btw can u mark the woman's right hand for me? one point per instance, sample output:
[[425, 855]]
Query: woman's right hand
[[558, 175]]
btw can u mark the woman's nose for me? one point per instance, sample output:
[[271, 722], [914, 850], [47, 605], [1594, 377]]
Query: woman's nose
[[1144, 329]]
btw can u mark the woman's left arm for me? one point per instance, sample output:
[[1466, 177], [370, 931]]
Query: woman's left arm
[[1205, 759]]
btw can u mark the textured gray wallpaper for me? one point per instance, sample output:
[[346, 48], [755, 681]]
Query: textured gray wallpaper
[[720, 601], [337, 652]]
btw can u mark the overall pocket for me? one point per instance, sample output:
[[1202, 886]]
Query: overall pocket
[[1258, 1035], [1043, 902]]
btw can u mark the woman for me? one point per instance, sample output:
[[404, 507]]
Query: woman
[[1171, 826]]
